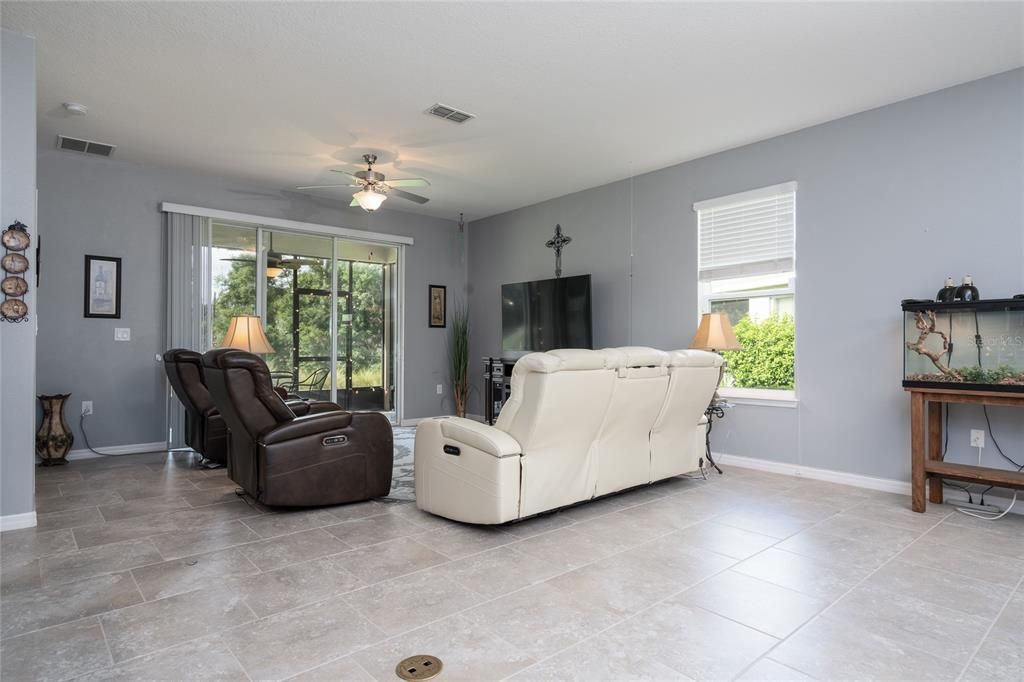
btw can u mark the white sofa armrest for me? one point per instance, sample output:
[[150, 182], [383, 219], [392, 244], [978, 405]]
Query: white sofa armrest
[[480, 436], [467, 471]]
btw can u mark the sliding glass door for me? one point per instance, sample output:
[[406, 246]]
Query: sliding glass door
[[366, 311], [329, 307], [297, 316], [233, 266]]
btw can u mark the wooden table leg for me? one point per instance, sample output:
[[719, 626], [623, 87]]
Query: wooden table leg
[[935, 449], [917, 474]]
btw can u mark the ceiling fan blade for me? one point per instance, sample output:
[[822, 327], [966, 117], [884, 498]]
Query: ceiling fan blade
[[361, 176], [325, 186], [408, 182], [409, 195]]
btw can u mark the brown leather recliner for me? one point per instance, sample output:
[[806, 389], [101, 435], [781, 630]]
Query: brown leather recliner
[[205, 430], [284, 460]]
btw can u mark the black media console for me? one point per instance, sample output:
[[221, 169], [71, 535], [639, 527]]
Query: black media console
[[497, 386]]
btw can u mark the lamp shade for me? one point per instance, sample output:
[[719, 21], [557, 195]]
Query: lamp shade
[[369, 200], [245, 332], [715, 334]]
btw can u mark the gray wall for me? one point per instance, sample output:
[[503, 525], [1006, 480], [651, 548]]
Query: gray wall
[[17, 341], [110, 207], [890, 202]]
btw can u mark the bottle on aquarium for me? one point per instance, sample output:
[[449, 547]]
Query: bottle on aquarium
[[975, 345]]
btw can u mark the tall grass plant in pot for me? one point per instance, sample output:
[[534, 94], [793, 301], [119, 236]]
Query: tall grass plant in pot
[[458, 359]]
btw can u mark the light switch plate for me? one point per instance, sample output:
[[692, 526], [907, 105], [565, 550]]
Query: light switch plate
[[122, 334]]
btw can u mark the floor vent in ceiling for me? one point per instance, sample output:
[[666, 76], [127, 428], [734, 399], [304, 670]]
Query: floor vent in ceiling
[[449, 113], [73, 144]]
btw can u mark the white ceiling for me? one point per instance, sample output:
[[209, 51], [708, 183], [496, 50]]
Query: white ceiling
[[568, 96]]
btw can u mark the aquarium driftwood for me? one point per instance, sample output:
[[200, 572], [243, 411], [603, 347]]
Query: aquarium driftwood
[[925, 323]]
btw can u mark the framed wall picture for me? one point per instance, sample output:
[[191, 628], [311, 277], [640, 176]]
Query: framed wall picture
[[438, 311], [103, 287]]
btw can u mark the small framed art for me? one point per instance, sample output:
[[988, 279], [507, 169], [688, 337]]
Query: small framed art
[[438, 310], [103, 287]]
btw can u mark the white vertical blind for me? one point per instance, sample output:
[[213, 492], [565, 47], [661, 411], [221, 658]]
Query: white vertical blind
[[751, 233], [187, 327]]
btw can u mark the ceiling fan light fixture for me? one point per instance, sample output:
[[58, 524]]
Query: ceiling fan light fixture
[[273, 271], [369, 200]]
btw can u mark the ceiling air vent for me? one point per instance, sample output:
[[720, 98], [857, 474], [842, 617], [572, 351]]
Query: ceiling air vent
[[449, 113], [73, 144]]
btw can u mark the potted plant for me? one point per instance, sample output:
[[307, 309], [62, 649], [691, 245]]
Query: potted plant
[[458, 359]]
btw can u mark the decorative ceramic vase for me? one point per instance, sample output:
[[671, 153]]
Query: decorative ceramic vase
[[967, 292], [54, 439]]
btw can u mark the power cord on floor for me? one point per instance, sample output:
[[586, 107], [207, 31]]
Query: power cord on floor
[[85, 437], [988, 516]]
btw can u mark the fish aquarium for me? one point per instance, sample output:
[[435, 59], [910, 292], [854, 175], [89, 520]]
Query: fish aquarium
[[976, 346]]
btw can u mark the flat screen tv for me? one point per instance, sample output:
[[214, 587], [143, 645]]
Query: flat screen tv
[[546, 314]]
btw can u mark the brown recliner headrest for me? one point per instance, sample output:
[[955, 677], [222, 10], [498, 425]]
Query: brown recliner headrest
[[183, 355], [228, 359], [185, 372], [233, 358]]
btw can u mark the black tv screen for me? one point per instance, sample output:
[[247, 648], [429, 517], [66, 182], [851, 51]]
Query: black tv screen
[[546, 314]]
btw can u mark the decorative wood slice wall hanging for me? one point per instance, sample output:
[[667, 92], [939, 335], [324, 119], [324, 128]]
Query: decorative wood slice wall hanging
[[15, 240]]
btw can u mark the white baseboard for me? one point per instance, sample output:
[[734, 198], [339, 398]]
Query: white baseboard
[[17, 521], [85, 453], [888, 485]]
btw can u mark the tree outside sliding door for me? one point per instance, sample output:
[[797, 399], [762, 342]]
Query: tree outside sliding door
[[298, 312], [233, 266], [328, 306], [366, 302]]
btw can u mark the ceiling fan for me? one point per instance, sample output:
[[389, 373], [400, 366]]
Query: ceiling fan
[[373, 188], [276, 262]]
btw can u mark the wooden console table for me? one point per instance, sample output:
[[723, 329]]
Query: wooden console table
[[926, 443]]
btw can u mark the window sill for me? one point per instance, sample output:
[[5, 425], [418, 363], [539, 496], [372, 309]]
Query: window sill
[[764, 397]]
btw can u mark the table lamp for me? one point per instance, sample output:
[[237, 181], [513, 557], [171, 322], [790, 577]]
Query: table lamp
[[715, 334], [245, 332]]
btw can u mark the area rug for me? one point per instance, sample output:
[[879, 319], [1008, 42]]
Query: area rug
[[402, 484]]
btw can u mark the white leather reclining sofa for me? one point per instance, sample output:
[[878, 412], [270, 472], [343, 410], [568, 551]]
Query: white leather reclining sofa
[[579, 424]]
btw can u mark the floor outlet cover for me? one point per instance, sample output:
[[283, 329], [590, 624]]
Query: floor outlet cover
[[419, 667]]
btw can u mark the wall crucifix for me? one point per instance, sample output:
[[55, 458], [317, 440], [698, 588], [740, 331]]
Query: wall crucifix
[[558, 242]]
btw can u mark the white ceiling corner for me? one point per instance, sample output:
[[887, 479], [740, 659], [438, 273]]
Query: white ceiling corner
[[567, 95]]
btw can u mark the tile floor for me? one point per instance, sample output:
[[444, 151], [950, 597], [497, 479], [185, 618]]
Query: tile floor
[[147, 568]]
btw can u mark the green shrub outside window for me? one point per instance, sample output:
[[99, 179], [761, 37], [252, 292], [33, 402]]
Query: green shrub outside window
[[767, 357]]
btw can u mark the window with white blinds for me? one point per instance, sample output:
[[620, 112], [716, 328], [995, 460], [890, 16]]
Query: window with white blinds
[[751, 233]]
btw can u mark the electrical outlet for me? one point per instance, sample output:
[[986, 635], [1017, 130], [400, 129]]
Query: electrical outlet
[[440, 389], [86, 407], [122, 334], [977, 438]]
